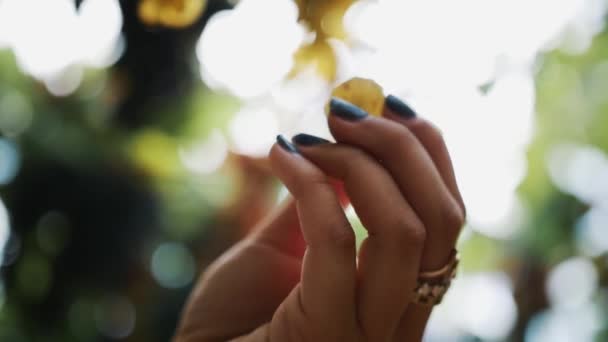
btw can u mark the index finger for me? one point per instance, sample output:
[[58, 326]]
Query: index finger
[[329, 265]]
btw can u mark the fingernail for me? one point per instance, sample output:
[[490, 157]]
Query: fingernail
[[399, 107], [286, 145], [346, 110], [308, 140]]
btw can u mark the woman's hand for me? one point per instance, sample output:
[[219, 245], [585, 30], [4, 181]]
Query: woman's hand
[[297, 277]]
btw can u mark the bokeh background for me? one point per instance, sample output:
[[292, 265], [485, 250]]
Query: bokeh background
[[133, 135]]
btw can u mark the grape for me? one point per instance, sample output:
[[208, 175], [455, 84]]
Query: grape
[[363, 93], [170, 13], [326, 20], [318, 54]]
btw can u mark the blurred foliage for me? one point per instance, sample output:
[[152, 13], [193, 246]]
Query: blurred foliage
[[101, 185], [569, 109]]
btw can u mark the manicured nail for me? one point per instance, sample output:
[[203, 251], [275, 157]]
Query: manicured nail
[[399, 107], [346, 110], [286, 145], [308, 140]]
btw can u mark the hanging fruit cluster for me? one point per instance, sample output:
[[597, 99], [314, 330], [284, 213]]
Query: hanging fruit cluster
[[325, 19], [170, 13]]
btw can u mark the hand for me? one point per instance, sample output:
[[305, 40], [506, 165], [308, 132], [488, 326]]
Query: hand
[[297, 277]]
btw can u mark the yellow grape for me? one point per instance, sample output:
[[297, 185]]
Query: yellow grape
[[170, 13], [363, 93], [320, 55]]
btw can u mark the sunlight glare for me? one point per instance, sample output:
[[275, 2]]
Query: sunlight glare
[[481, 304], [48, 37], [205, 156], [245, 51], [591, 237], [580, 170], [253, 130], [572, 282], [579, 324]]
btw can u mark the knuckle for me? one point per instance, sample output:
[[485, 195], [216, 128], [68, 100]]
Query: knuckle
[[353, 162], [343, 236], [334, 234], [417, 235], [406, 231], [429, 134], [402, 138], [310, 182], [453, 218], [430, 130], [316, 180], [357, 156]]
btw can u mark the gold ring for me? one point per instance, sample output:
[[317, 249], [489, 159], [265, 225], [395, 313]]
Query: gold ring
[[433, 285]]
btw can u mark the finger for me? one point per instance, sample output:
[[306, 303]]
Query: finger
[[281, 228], [413, 322], [431, 139], [400, 152], [390, 261], [329, 268]]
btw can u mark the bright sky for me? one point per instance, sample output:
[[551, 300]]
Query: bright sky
[[51, 37]]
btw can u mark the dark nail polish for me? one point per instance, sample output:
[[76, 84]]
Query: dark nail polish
[[399, 107], [286, 145], [308, 140], [346, 110]]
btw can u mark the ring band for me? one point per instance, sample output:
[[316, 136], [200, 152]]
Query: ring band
[[433, 285]]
